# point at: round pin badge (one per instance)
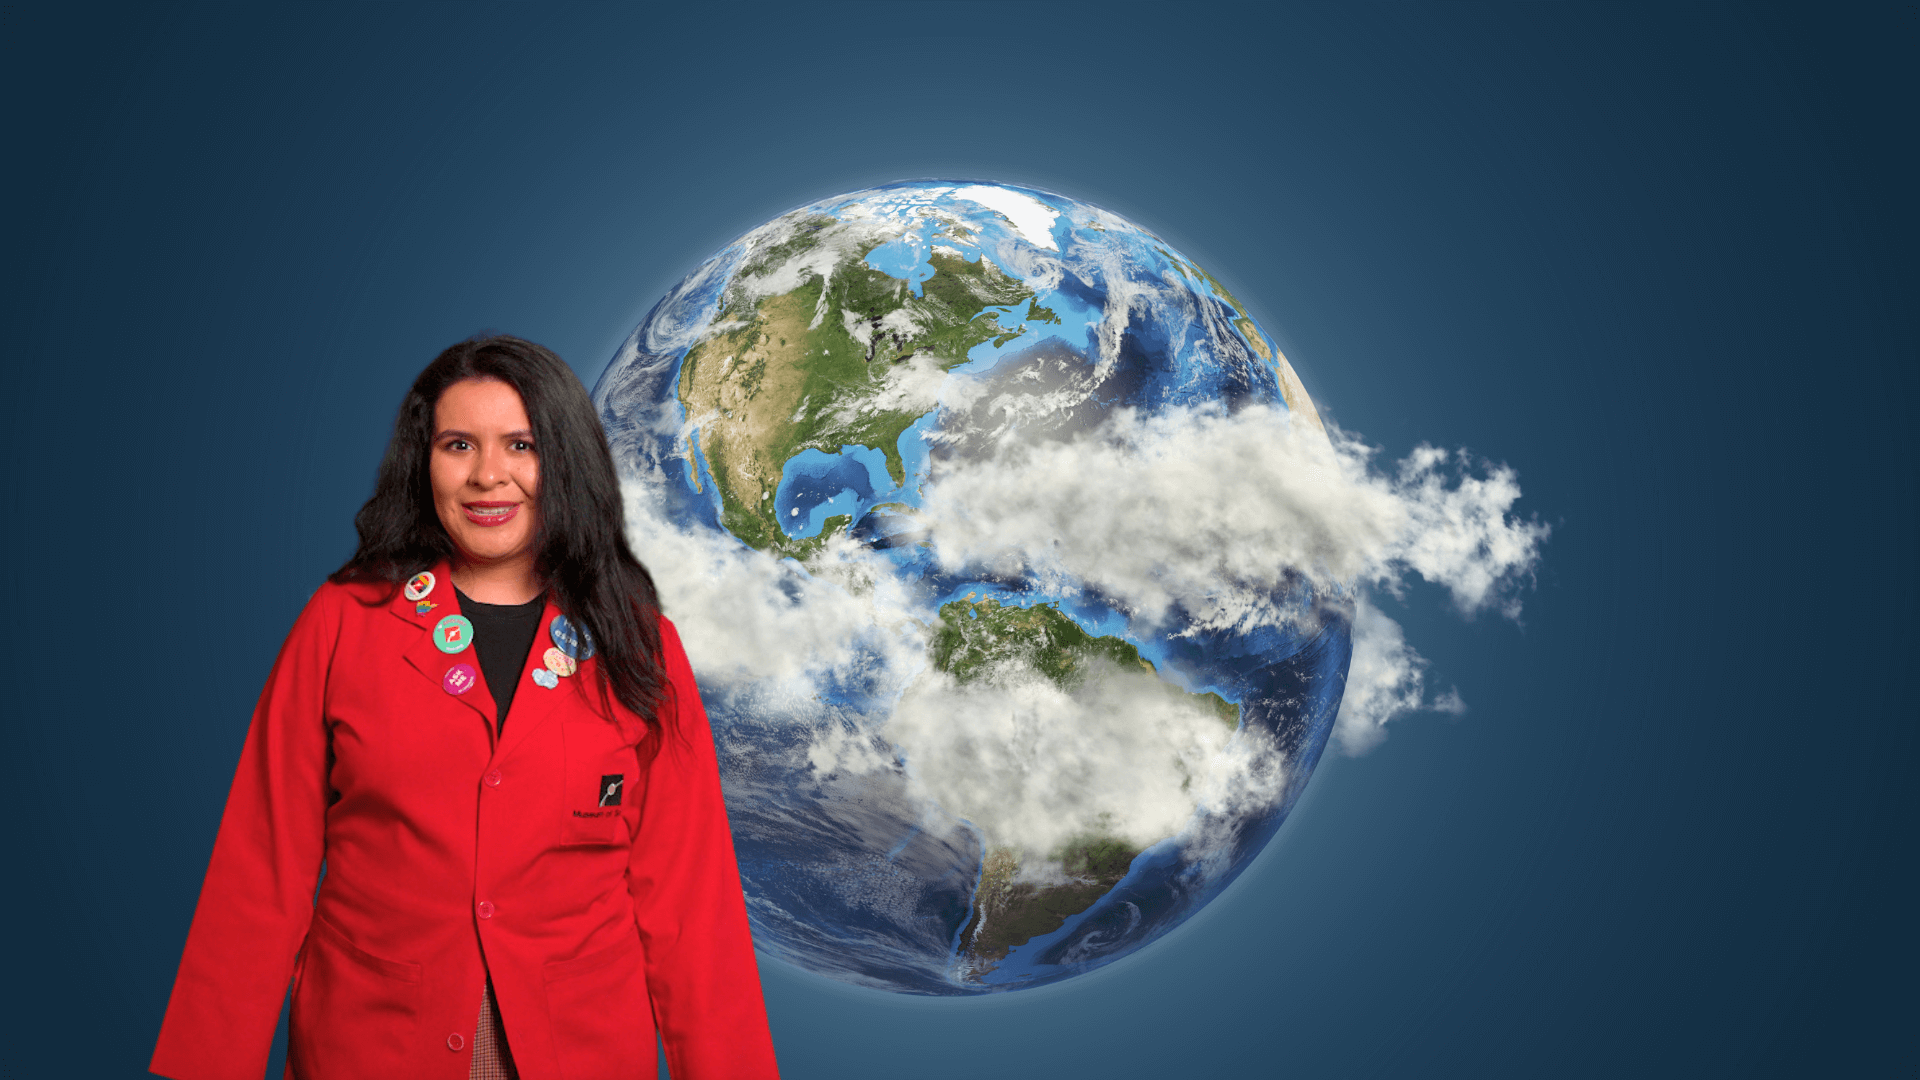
(459, 679)
(560, 663)
(572, 640)
(419, 586)
(453, 634)
(545, 678)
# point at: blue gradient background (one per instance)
(1660, 261)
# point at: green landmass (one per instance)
(799, 370)
(977, 635)
(806, 236)
(1036, 313)
(803, 548)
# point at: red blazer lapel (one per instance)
(449, 671)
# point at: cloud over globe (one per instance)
(1022, 578)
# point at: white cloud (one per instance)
(1386, 680)
(1032, 765)
(1211, 512)
(910, 387)
(750, 620)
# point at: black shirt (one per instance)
(502, 636)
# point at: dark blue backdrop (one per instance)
(1660, 261)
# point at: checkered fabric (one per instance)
(491, 1058)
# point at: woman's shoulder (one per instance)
(673, 652)
(344, 603)
(359, 610)
(358, 592)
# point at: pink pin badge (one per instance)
(460, 679)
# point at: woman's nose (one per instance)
(490, 467)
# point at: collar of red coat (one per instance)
(532, 703)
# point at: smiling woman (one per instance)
(528, 865)
(485, 475)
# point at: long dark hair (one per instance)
(583, 555)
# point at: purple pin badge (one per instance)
(460, 679)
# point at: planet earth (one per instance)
(955, 759)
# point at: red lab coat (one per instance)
(450, 853)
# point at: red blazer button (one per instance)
(493, 778)
(455, 1042)
(486, 909)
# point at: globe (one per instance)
(990, 710)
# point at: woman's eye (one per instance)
(522, 444)
(458, 444)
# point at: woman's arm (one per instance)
(686, 894)
(257, 901)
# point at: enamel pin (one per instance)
(545, 678)
(559, 663)
(420, 585)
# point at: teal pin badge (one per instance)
(453, 634)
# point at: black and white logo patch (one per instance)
(610, 789)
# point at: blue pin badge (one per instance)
(570, 639)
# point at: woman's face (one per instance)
(485, 471)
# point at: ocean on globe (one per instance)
(989, 714)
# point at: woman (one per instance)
(527, 863)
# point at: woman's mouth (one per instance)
(490, 513)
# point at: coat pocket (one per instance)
(601, 1016)
(600, 800)
(354, 1013)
